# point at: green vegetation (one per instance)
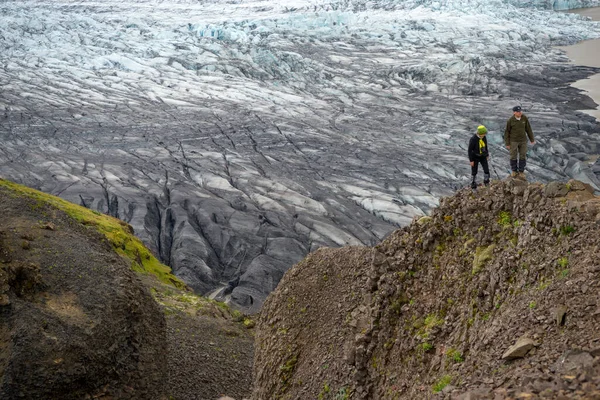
(543, 284)
(504, 218)
(563, 262)
(249, 323)
(482, 256)
(342, 394)
(532, 305)
(425, 327)
(424, 220)
(432, 320)
(287, 369)
(325, 391)
(425, 347)
(566, 230)
(442, 383)
(397, 304)
(119, 233)
(454, 355)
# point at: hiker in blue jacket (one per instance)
(478, 153)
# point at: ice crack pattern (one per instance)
(238, 136)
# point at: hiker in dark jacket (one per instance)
(517, 131)
(478, 153)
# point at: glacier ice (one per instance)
(237, 136)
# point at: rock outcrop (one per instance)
(433, 311)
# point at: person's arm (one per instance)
(507, 134)
(529, 131)
(471, 150)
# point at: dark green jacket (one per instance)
(517, 130)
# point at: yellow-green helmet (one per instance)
(481, 130)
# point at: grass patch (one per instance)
(425, 347)
(119, 233)
(287, 370)
(482, 256)
(454, 355)
(566, 230)
(442, 383)
(563, 262)
(425, 327)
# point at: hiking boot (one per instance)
(486, 179)
(521, 176)
(514, 174)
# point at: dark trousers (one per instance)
(484, 165)
(518, 156)
(486, 171)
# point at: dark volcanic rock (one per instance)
(431, 311)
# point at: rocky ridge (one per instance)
(493, 296)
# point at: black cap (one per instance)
(517, 108)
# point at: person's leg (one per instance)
(474, 175)
(514, 152)
(486, 171)
(522, 156)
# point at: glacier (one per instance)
(236, 137)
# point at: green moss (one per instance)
(482, 256)
(563, 262)
(504, 218)
(442, 383)
(118, 233)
